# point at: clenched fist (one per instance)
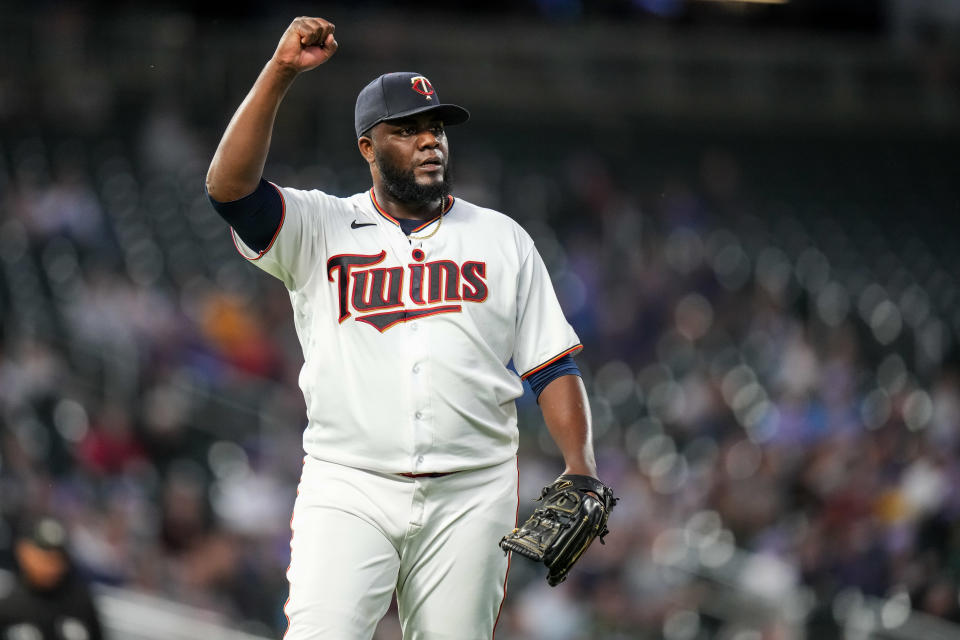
(306, 44)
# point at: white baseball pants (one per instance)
(359, 535)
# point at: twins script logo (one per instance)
(376, 294)
(422, 86)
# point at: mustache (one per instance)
(441, 160)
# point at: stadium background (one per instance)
(749, 212)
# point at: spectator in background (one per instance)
(49, 601)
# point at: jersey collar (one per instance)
(376, 205)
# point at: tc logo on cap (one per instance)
(422, 86)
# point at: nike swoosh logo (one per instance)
(357, 225)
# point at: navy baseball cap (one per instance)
(401, 94)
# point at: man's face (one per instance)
(413, 159)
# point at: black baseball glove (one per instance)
(562, 528)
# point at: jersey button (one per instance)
(418, 415)
(414, 326)
(419, 458)
(416, 368)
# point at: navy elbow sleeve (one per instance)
(562, 367)
(256, 217)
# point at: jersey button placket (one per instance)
(419, 383)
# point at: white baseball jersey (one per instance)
(406, 341)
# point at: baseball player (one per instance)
(409, 305)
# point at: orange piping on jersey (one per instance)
(373, 198)
(283, 216)
(551, 361)
(516, 522)
(285, 604)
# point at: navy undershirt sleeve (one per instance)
(562, 367)
(255, 217)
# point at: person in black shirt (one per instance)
(48, 601)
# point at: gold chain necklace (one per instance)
(432, 233)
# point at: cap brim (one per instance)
(450, 114)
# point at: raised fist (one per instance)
(307, 43)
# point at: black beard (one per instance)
(403, 187)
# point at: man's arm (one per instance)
(566, 411)
(575, 507)
(238, 163)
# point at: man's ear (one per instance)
(365, 144)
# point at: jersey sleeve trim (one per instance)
(569, 352)
(283, 216)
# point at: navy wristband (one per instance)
(562, 367)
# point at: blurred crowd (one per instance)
(775, 387)
(758, 383)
